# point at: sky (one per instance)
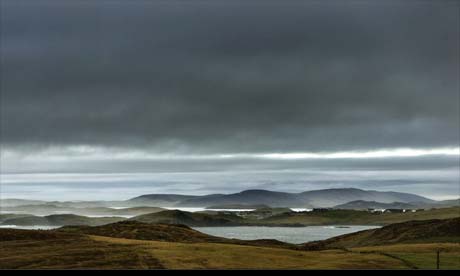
(111, 99)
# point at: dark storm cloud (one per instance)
(230, 76)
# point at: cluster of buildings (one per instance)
(394, 210)
(268, 212)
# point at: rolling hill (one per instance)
(134, 245)
(190, 219)
(425, 231)
(357, 217)
(333, 197)
(259, 217)
(285, 217)
(143, 231)
(249, 197)
(364, 205)
(163, 232)
(215, 218)
(51, 209)
(58, 220)
(32, 249)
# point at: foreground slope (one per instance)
(420, 255)
(163, 232)
(143, 231)
(137, 245)
(447, 230)
(38, 249)
(23, 249)
(230, 256)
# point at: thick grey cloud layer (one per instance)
(197, 78)
(230, 76)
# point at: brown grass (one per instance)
(72, 253)
(421, 255)
(225, 256)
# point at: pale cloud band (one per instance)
(84, 152)
(82, 172)
(387, 153)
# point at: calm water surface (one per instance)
(285, 234)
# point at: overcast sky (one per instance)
(131, 97)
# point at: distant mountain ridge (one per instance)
(309, 199)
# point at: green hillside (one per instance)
(353, 217)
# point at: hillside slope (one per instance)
(98, 252)
(354, 217)
(142, 246)
(364, 205)
(249, 197)
(51, 209)
(447, 230)
(333, 197)
(163, 232)
(36, 249)
(189, 218)
(59, 220)
(143, 231)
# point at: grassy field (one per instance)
(99, 252)
(135, 245)
(350, 217)
(421, 256)
(111, 253)
(73, 253)
(409, 232)
(212, 255)
(84, 252)
(135, 230)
